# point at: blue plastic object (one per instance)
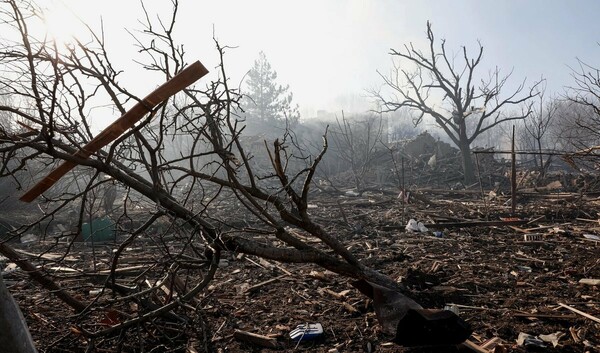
(306, 332)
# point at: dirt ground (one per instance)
(501, 283)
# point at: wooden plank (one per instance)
(180, 81)
(590, 281)
(255, 339)
(264, 283)
(546, 316)
(593, 318)
(475, 224)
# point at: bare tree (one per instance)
(586, 87)
(355, 142)
(432, 83)
(585, 93)
(538, 124)
(572, 131)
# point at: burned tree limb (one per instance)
(42, 279)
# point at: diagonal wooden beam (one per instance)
(180, 81)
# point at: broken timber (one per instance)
(180, 81)
(253, 338)
(465, 224)
(476, 224)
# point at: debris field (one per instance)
(522, 282)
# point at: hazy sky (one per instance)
(329, 51)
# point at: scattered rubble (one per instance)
(483, 268)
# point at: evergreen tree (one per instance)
(265, 100)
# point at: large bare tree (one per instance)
(452, 91)
(585, 94)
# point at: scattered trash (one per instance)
(532, 237)
(552, 338)
(591, 236)
(414, 226)
(524, 268)
(306, 332)
(438, 234)
(352, 193)
(11, 267)
(528, 340)
(94, 292)
(29, 238)
(453, 308)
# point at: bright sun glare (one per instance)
(60, 24)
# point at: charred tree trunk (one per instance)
(467, 163)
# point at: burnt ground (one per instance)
(501, 283)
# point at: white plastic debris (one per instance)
(528, 340)
(591, 236)
(532, 237)
(553, 338)
(11, 267)
(29, 238)
(453, 308)
(414, 226)
(94, 292)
